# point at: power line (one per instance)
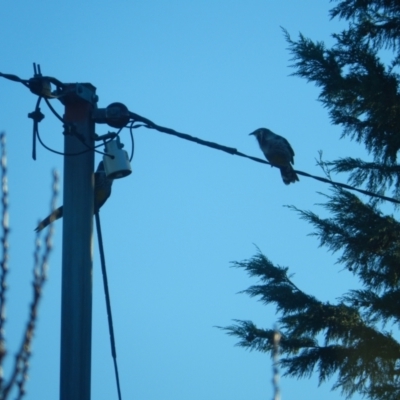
(39, 87)
(230, 150)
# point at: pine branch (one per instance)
(382, 307)
(356, 87)
(378, 177)
(361, 355)
(377, 21)
(368, 239)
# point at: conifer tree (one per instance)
(359, 82)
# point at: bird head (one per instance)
(260, 132)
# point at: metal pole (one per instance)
(76, 300)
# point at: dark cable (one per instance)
(151, 125)
(37, 116)
(345, 186)
(131, 127)
(38, 76)
(59, 152)
(15, 78)
(48, 148)
(108, 302)
(54, 111)
(80, 138)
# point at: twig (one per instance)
(5, 247)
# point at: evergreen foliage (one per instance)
(359, 84)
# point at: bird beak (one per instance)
(252, 133)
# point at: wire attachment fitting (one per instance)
(37, 116)
(40, 85)
(115, 115)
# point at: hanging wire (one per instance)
(89, 148)
(58, 152)
(37, 116)
(131, 127)
(54, 111)
(108, 302)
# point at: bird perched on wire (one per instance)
(102, 191)
(278, 152)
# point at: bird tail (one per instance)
(51, 218)
(288, 175)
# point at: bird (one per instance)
(102, 191)
(278, 151)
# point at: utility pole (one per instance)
(81, 113)
(77, 258)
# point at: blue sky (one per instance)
(213, 69)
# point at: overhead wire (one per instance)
(15, 78)
(151, 125)
(230, 150)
